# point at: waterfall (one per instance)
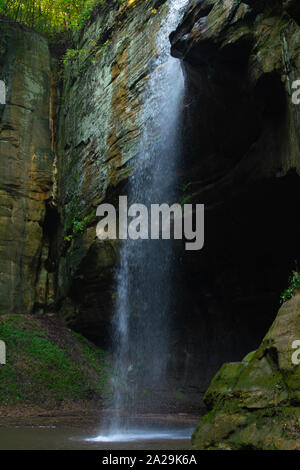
(143, 311)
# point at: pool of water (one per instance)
(166, 436)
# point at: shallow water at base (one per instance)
(153, 436)
(36, 438)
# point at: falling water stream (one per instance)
(143, 312)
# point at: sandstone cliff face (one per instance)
(98, 138)
(240, 63)
(26, 169)
(96, 125)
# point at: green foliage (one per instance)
(97, 359)
(49, 16)
(82, 58)
(71, 55)
(79, 225)
(38, 369)
(70, 58)
(4, 35)
(286, 295)
(186, 186)
(86, 11)
(294, 283)
(127, 171)
(186, 197)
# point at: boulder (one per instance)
(255, 404)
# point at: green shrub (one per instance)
(294, 283)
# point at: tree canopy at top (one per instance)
(48, 16)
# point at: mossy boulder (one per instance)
(255, 403)
(272, 428)
(223, 383)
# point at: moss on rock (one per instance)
(254, 404)
(47, 362)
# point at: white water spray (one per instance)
(143, 312)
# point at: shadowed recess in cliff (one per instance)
(143, 312)
(241, 157)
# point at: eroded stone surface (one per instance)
(98, 141)
(26, 168)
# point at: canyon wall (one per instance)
(69, 141)
(26, 169)
(98, 135)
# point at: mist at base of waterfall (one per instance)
(145, 429)
(144, 435)
(148, 429)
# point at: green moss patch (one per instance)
(47, 362)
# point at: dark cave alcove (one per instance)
(51, 229)
(237, 161)
(229, 293)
